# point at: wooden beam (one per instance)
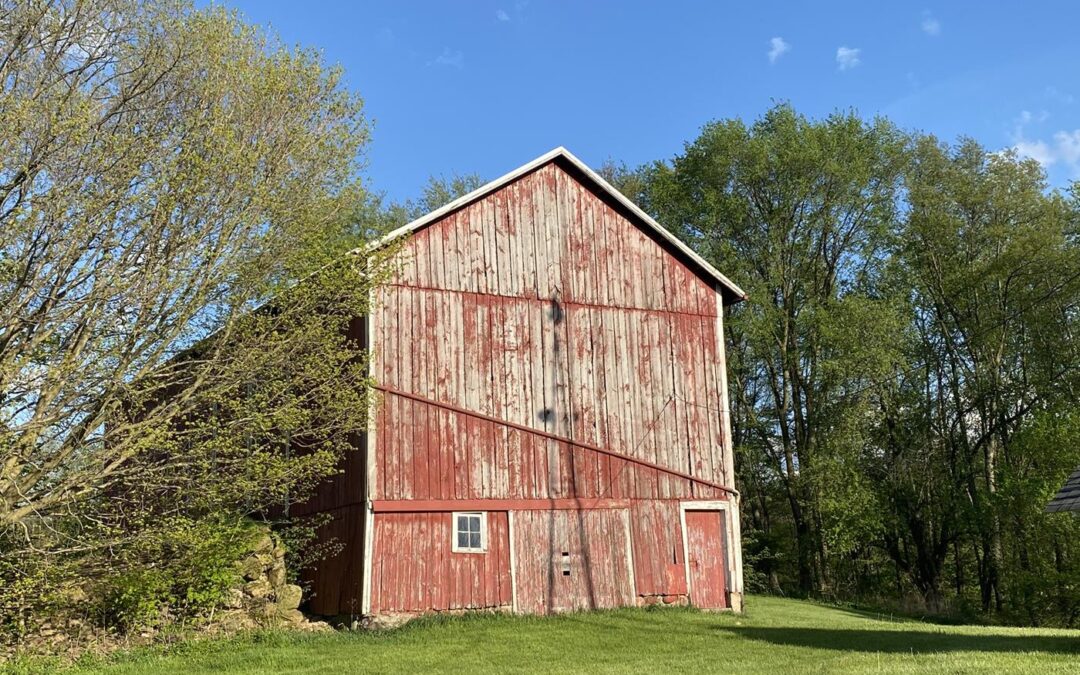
(562, 439)
(436, 505)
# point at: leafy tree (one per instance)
(905, 373)
(991, 260)
(374, 217)
(165, 170)
(800, 213)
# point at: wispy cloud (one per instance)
(450, 58)
(1067, 147)
(1027, 117)
(515, 14)
(848, 57)
(1058, 95)
(930, 25)
(1036, 150)
(777, 48)
(1063, 146)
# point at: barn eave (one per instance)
(731, 293)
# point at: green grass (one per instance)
(774, 635)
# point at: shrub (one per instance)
(179, 570)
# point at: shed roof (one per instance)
(1068, 497)
(731, 292)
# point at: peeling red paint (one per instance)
(546, 360)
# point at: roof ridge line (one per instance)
(736, 293)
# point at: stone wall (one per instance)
(266, 598)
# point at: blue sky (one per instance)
(484, 86)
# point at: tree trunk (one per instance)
(992, 592)
(803, 544)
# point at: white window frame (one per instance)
(454, 532)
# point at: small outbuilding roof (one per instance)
(730, 291)
(1068, 497)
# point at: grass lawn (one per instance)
(774, 636)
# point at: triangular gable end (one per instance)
(731, 292)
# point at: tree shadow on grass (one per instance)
(904, 641)
(901, 617)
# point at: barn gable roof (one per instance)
(1068, 497)
(731, 292)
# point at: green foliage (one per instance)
(903, 372)
(33, 588)
(760, 558)
(303, 549)
(177, 569)
(374, 217)
(178, 338)
(799, 212)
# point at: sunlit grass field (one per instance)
(773, 636)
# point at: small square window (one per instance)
(470, 532)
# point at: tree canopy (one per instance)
(905, 370)
(164, 172)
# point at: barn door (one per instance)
(707, 558)
(569, 560)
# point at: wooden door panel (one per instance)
(571, 560)
(707, 559)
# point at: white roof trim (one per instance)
(592, 176)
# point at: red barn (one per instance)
(552, 430)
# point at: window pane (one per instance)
(463, 523)
(463, 540)
(474, 524)
(475, 540)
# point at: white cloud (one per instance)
(930, 25)
(1063, 147)
(1067, 147)
(777, 48)
(501, 15)
(847, 57)
(1026, 117)
(1036, 150)
(449, 58)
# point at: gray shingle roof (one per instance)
(1068, 497)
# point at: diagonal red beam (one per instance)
(562, 439)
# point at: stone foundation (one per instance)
(265, 598)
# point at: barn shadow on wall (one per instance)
(549, 417)
(903, 641)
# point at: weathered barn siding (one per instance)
(519, 328)
(546, 357)
(336, 587)
(572, 559)
(429, 576)
(543, 306)
(706, 557)
(659, 564)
